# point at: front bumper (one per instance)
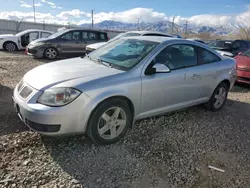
(35, 52)
(243, 76)
(68, 119)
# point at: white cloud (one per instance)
(38, 4)
(229, 6)
(76, 13)
(26, 5)
(77, 16)
(51, 4)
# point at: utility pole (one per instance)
(34, 10)
(138, 22)
(186, 27)
(173, 25)
(92, 15)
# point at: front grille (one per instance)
(26, 91)
(42, 127)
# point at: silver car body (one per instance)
(149, 95)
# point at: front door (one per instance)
(71, 42)
(168, 91)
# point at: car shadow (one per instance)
(9, 121)
(86, 162)
(241, 88)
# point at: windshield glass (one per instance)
(124, 53)
(58, 33)
(246, 53)
(220, 44)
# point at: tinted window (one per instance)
(45, 35)
(33, 36)
(155, 34)
(102, 36)
(177, 56)
(92, 36)
(220, 44)
(208, 57)
(74, 35)
(236, 44)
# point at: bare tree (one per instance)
(244, 29)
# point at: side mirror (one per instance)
(161, 68)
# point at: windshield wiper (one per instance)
(107, 64)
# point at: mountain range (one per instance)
(164, 26)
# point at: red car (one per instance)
(243, 67)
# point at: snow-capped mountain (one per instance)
(165, 26)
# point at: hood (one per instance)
(223, 53)
(39, 40)
(96, 45)
(243, 61)
(6, 35)
(51, 74)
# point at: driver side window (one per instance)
(177, 56)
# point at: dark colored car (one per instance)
(67, 42)
(233, 47)
(243, 67)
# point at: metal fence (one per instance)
(13, 27)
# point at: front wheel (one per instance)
(10, 46)
(218, 98)
(50, 53)
(109, 122)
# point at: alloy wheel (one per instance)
(51, 53)
(112, 123)
(220, 97)
(10, 47)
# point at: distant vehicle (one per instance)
(243, 67)
(103, 93)
(65, 42)
(95, 46)
(20, 40)
(233, 47)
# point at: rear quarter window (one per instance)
(206, 56)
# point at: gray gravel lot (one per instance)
(167, 151)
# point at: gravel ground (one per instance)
(167, 151)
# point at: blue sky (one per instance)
(77, 11)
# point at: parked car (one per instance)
(198, 40)
(233, 47)
(92, 47)
(103, 93)
(20, 40)
(65, 42)
(243, 67)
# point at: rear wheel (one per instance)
(109, 122)
(10, 46)
(218, 98)
(50, 53)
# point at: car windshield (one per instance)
(58, 33)
(124, 53)
(220, 44)
(246, 53)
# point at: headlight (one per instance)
(58, 96)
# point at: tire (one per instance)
(10, 46)
(50, 53)
(213, 104)
(102, 123)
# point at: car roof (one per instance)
(82, 29)
(40, 30)
(148, 32)
(159, 39)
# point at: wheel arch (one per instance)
(11, 42)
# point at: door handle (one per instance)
(195, 77)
